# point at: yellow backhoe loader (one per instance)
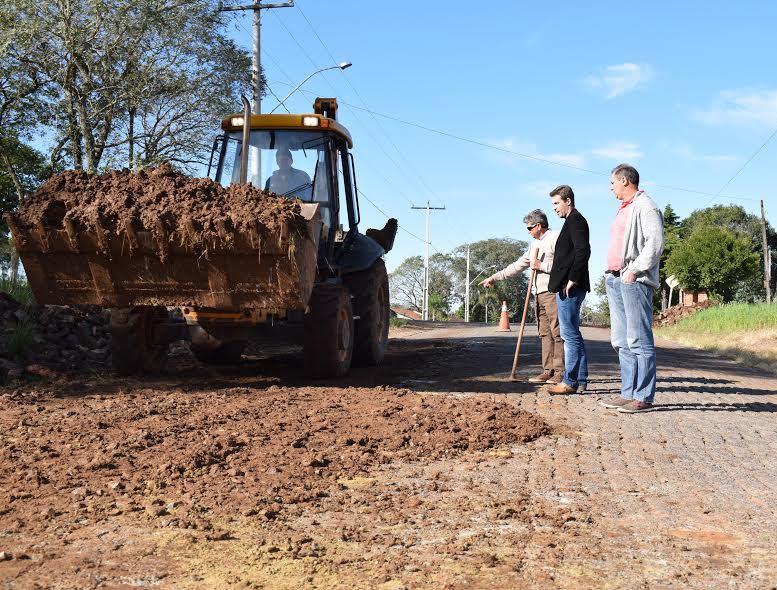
(326, 287)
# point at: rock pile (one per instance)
(48, 340)
(678, 312)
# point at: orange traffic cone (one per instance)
(504, 321)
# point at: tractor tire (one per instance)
(370, 291)
(212, 351)
(132, 348)
(329, 332)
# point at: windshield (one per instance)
(289, 163)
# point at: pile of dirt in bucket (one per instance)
(679, 312)
(157, 199)
(44, 341)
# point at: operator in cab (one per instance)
(288, 181)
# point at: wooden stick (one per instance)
(523, 325)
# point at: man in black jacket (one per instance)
(569, 281)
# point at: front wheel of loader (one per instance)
(329, 332)
(132, 340)
(370, 292)
(212, 351)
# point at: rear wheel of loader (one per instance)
(371, 304)
(132, 345)
(329, 332)
(212, 351)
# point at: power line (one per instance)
(369, 133)
(738, 172)
(280, 69)
(371, 202)
(278, 66)
(364, 103)
(266, 85)
(537, 158)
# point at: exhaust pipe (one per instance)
(246, 139)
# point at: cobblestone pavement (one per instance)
(683, 496)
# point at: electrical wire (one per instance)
(537, 158)
(738, 172)
(313, 63)
(366, 107)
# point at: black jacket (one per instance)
(570, 258)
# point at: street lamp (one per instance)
(481, 272)
(341, 66)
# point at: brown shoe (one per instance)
(555, 379)
(634, 407)
(541, 378)
(561, 389)
(615, 403)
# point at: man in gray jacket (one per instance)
(633, 256)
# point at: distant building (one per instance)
(693, 297)
(404, 313)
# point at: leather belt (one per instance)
(615, 273)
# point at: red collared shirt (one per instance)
(617, 231)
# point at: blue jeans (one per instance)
(631, 334)
(575, 358)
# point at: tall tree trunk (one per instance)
(131, 138)
(20, 196)
(72, 118)
(86, 136)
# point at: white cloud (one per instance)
(751, 106)
(617, 80)
(622, 151)
(688, 153)
(530, 149)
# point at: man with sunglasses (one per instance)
(539, 257)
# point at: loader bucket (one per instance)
(252, 269)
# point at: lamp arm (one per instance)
(298, 86)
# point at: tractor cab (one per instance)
(302, 156)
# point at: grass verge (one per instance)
(746, 333)
(20, 291)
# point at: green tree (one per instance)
(743, 225)
(438, 308)
(672, 236)
(713, 259)
(671, 218)
(22, 169)
(600, 313)
(487, 257)
(109, 64)
(407, 283)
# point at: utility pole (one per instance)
(256, 65)
(428, 207)
(256, 73)
(767, 257)
(466, 291)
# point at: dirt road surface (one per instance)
(433, 471)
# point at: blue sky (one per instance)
(685, 91)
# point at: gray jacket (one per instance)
(643, 241)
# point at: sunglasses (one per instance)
(531, 227)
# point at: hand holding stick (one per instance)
(523, 325)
